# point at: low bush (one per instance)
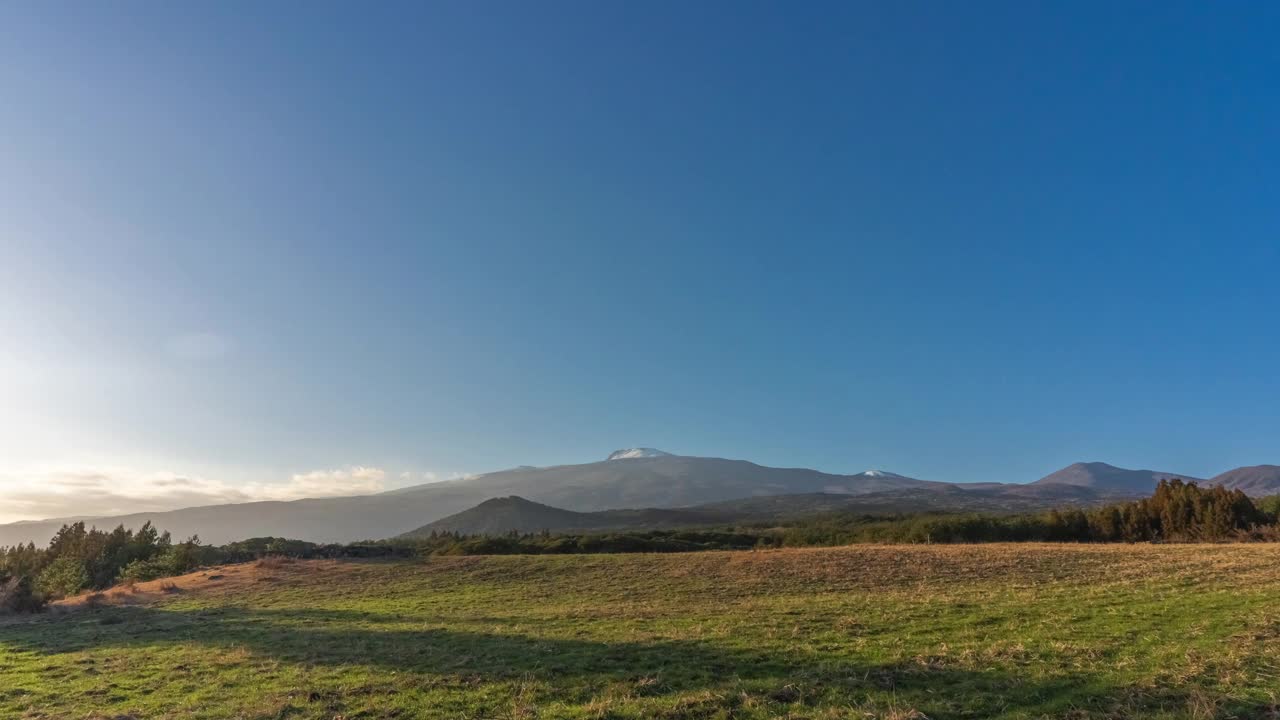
(63, 577)
(18, 596)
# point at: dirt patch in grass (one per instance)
(221, 581)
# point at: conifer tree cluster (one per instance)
(79, 558)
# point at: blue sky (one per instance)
(246, 246)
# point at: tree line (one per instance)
(80, 558)
(1177, 511)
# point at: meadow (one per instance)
(955, 631)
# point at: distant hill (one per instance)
(1256, 480)
(1102, 476)
(499, 516)
(504, 514)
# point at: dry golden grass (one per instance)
(220, 582)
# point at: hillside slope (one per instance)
(499, 516)
(1102, 476)
(1254, 480)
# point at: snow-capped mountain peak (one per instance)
(631, 453)
(879, 474)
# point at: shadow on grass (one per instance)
(575, 670)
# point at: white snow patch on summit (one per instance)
(631, 453)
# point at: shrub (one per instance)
(143, 570)
(64, 576)
(176, 560)
(18, 596)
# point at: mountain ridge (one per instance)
(1105, 475)
(1252, 479)
(501, 515)
(657, 481)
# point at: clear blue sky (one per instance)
(961, 241)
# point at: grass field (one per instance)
(994, 631)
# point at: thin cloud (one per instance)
(413, 477)
(96, 492)
(358, 480)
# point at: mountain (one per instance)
(1102, 476)
(632, 453)
(1256, 480)
(499, 516)
(666, 481)
(881, 474)
(659, 481)
(631, 478)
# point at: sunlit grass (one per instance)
(1011, 631)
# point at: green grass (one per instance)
(1011, 631)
